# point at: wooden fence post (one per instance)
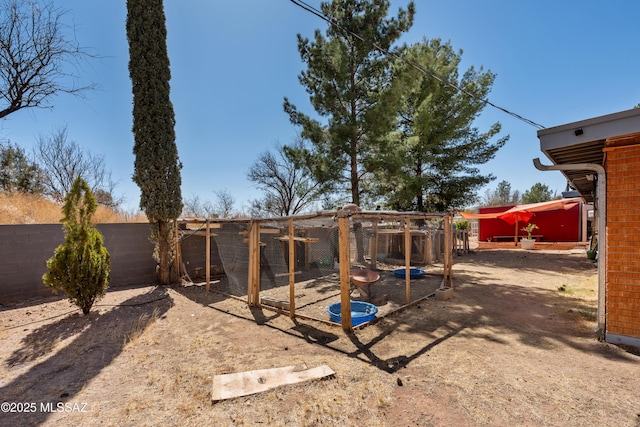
(292, 270)
(407, 259)
(207, 262)
(345, 274)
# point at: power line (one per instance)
(334, 23)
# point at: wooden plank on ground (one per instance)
(299, 239)
(272, 302)
(239, 384)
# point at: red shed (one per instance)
(558, 225)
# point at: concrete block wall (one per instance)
(623, 248)
(25, 249)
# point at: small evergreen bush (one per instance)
(81, 265)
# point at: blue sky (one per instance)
(233, 62)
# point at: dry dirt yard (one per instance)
(515, 346)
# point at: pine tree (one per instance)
(538, 192)
(436, 147)
(501, 196)
(17, 172)
(346, 75)
(80, 266)
(157, 167)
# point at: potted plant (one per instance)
(528, 242)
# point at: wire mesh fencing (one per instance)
(292, 264)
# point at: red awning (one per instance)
(525, 212)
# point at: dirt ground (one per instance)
(514, 346)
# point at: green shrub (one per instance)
(80, 266)
(462, 225)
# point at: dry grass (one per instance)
(138, 328)
(21, 208)
(509, 348)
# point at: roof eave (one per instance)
(582, 142)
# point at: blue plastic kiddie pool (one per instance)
(361, 312)
(414, 273)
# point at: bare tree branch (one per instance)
(37, 55)
(194, 207)
(224, 203)
(62, 161)
(289, 188)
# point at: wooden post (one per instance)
(374, 244)
(253, 291)
(207, 257)
(448, 251)
(434, 244)
(345, 275)
(292, 270)
(250, 272)
(465, 242)
(407, 259)
(428, 247)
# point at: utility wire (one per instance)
(137, 304)
(334, 22)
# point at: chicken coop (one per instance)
(306, 265)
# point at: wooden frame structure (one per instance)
(344, 218)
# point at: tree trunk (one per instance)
(419, 194)
(355, 179)
(164, 251)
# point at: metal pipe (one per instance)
(601, 210)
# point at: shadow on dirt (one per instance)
(50, 297)
(395, 363)
(88, 345)
(484, 307)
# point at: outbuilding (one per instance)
(601, 158)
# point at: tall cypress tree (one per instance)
(157, 167)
